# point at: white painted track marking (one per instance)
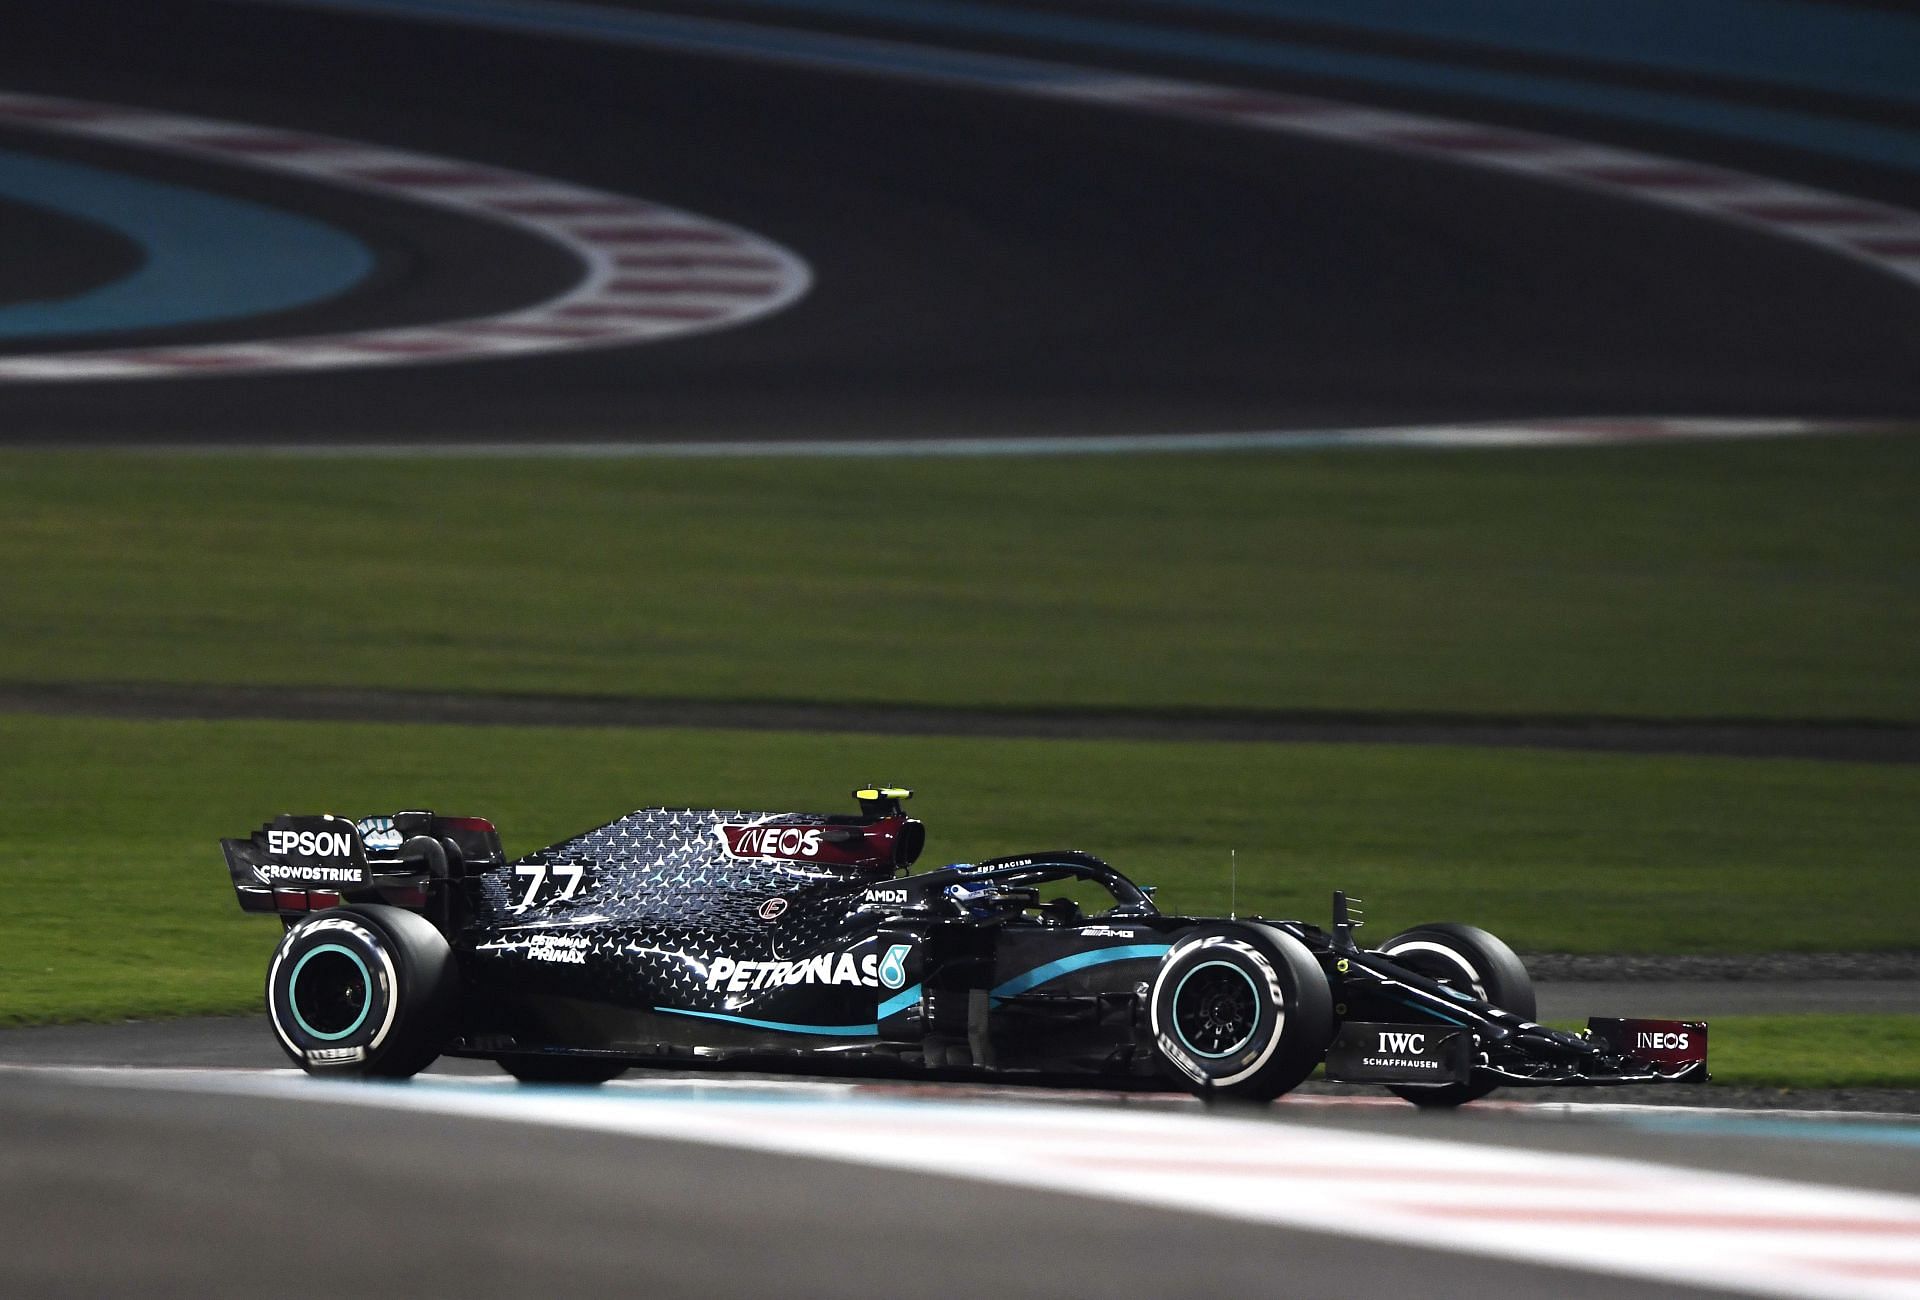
(647, 272)
(909, 1090)
(1878, 235)
(1672, 1224)
(605, 311)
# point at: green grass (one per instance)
(114, 902)
(1763, 579)
(1831, 1051)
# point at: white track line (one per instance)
(1671, 1224)
(1878, 235)
(647, 272)
(1028, 1096)
(607, 311)
(907, 1090)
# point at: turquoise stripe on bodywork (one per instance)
(892, 1006)
(900, 1001)
(1053, 970)
(784, 1026)
(1426, 1010)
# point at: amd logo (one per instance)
(896, 897)
(1402, 1042)
(1660, 1040)
(311, 844)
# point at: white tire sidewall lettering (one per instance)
(366, 940)
(1217, 945)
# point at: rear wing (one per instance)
(297, 863)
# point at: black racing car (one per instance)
(796, 941)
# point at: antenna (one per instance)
(1346, 919)
(1233, 884)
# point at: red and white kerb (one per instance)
(1881, 236)
(648, 272)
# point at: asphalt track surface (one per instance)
(109, 1191)
(984, 264)
(116, 1182)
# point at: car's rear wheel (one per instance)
(365, 990)
(1479, 964)
(561, 1069)
(1240, 1011)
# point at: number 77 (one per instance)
(538, 870)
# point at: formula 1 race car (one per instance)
(683, 938)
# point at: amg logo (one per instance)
(771, 841)
(1401, 1042)
(311, 844)
(1663, 1040)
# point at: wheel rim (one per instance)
(1216, 1009)
(329, 992)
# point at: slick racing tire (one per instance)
(1240, 1011)
(1466, 958)
(364, 990)
(561, 1069)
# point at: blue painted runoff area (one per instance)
(1837, 137)
(1853, 1132)
(611, 26)
(205, 257)
(1870, 53)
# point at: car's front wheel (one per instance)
(364, 990)
(1466, 958)
(1240, 1010)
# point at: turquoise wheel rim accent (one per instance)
(293, 992)
(1253, 1024)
